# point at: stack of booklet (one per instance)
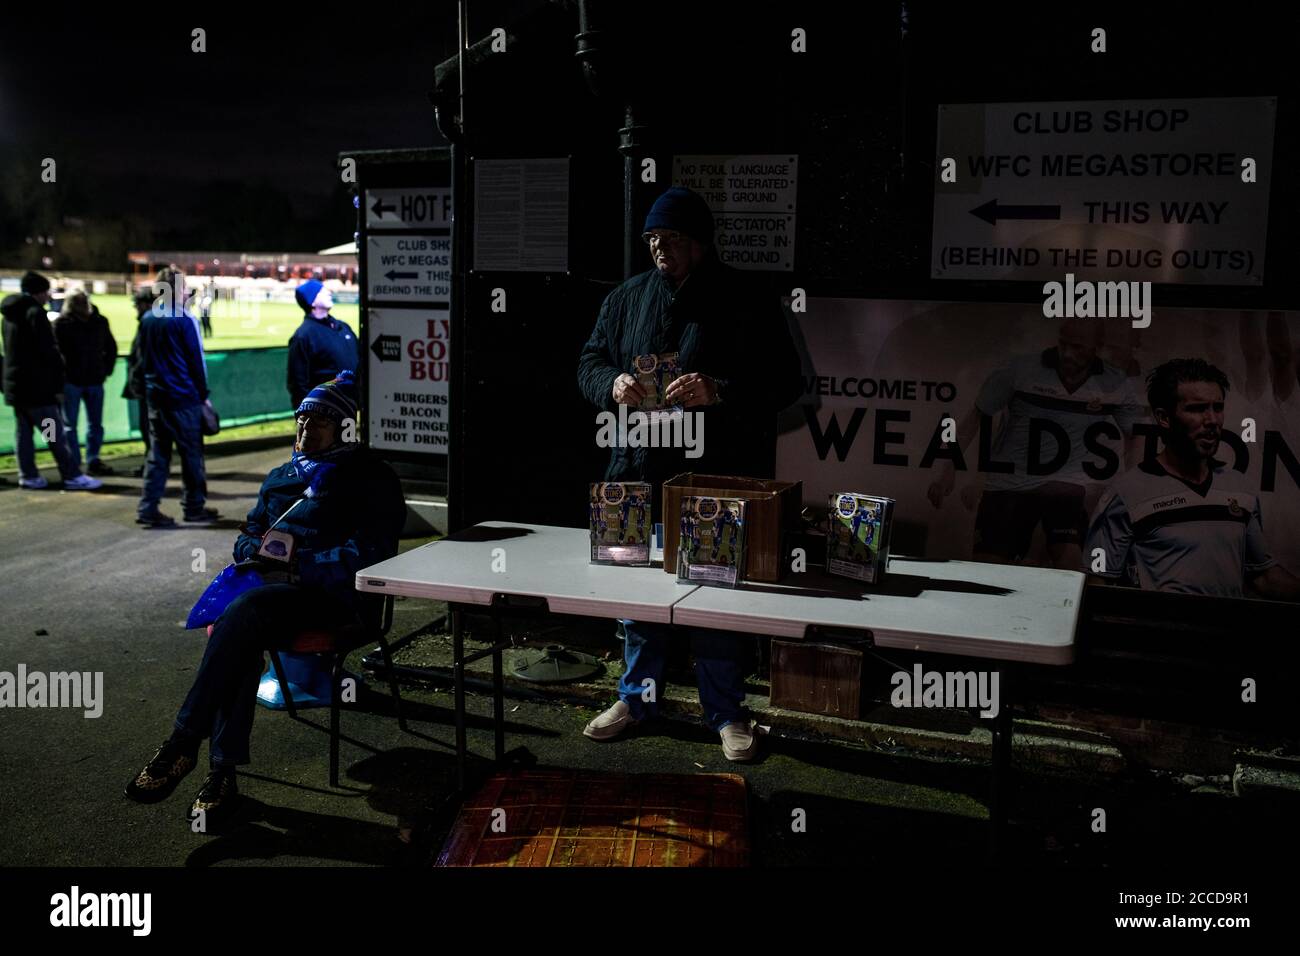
(619, 519)
(711, 548)
(857, 538)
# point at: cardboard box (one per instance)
(771, 514)
(817, 678)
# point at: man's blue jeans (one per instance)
(93, 396)
(63, 447)
(220, 705)
(720, 658)
(184, 427)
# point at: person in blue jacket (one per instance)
(176, 389)
(347, 514)
(322, 346)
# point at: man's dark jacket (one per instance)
(318, 351)
(722, 325)
(172, 361)
(33, 369)
(353, 521)
(88, 347)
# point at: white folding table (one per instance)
(960, 608)
(504, 569)
(964, 608)
(474, 566)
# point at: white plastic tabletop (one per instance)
(966, 608)
(539, 561)
(1004, 612)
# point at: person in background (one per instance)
(1068, 386)
(176, 389)
(347, 514)
(1186, 521)
(33, 386)
(89, 353)
(322, 346)
(206, 298)
(134, 387)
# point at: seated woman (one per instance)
(335, 508)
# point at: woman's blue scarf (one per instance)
(313, 470)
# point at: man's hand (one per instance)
(627, 390)
(942, 486)
(691, 389)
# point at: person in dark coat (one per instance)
(134, 386)
(321, 346)
(33, 386)
(89, 353)
(740, 368)
(347, 514)
(176, 387)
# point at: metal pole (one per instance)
(498, 692)
(1000, 797)
(458, 667)
(462, 32)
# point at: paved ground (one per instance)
(84, 588)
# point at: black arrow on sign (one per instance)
(991, 212)
(390, 275)
(387, 348)
(379, 207)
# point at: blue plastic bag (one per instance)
(233, 581)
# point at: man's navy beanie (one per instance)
(33, 282)
(306, 293)
(683, 210)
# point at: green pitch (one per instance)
(243, 325)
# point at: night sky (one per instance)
(232, 148)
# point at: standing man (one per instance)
(1186, 521)
(206, 298)
(176, 389)
(322, 346)
(134, 386)
(33, 386)
(1062, 391)
(739, 368)
(89, 354)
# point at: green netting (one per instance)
(248, 385)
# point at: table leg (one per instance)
(1000, 795)
(498, 693)
(458, 673)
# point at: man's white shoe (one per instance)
(36, 483)
(82, 483)
(611, 723)
(739, 742)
